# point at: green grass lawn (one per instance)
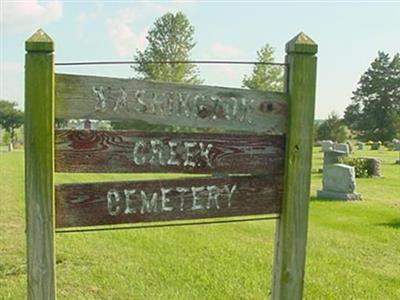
(353, 248)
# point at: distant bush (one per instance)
(363, 166)
(332, 129)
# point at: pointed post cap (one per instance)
(301, 43)
(39, 42)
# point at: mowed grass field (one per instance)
(353, 248)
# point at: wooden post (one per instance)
(291, 232)
(39, 166)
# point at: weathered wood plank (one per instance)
(219, 108)
(166, 200)
(291, 237)
(132, 151)
(39, 166)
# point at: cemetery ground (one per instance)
(353, 248)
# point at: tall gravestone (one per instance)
(333, 156)
(337, 151)
(339, 182)
(326, 145)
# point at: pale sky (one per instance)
(349, 35)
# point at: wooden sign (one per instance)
(227, 109)
(256, 173)
(162, 200)
(133, 151)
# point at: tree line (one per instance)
(172, 39)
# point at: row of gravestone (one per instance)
(339, 180)
(331, 146)
(328, 145)
(334, 153)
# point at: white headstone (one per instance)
(342, 148)
(339, 182)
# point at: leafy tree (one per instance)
(6, 138)
(341, 134)
(10, 118)
(171, 39)
(375, 108)
(317, 123)
(333, 128)
(265, 77)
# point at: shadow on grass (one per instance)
(392, 224)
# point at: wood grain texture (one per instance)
(39, 189)
(291, 233)
(132, 151)
(219, 108)
(166, 200)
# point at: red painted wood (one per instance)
(125, 202)
(131, 151)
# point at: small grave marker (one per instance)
(344, 148)
(361, 146)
